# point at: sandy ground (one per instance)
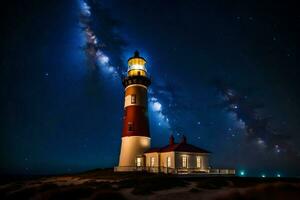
(184, 193)
(59, 181)
(190, 191)
(174, 193)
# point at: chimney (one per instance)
(171, 140)
(183, 140)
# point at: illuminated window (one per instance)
(198, 162)
(152, 161)
(130, 126)
(138, 162)
(133, 98)
(184, 161)
(168, 161)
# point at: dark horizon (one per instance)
(224, 74)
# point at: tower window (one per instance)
(133, 98)
(130, 126)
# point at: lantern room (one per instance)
(136, 65)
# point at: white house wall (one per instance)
(160, 161)
(154, 155)
(192, 160)
(163, 159)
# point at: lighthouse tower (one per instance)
(135, 134)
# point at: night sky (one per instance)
(224, 73)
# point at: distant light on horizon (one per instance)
(242, 173)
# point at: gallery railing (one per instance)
(205, 171)
(221, 171)
(177, 170)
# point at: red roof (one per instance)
(180, 147)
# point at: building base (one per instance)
(128, 169)
(179, 171)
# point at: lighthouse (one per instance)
(135, 152)
(135, 134)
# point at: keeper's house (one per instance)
(176, 158)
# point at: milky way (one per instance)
(97, 57)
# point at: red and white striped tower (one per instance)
(135, 134)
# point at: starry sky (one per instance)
(224, 74)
